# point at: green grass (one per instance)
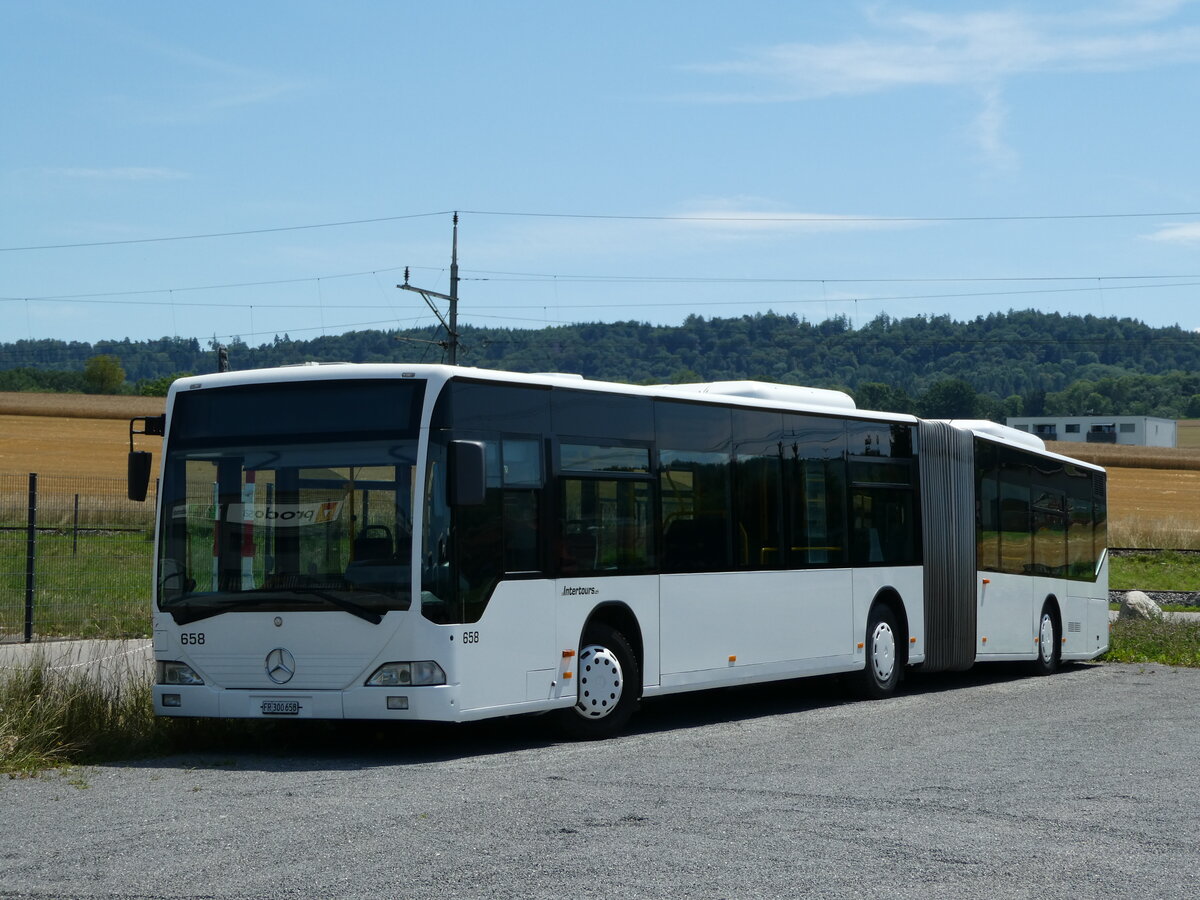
(1165, 607)
(94, 583)
(57, 717)
(53, 717)
(1169, 642)
(1165, 571)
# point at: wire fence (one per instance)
(74, 559)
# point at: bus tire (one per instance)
(606, 678)
(1049, 642)
(881, 674)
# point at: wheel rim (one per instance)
(883, 652)
(1046, 638)
(601, 682)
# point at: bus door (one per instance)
(1006, 597)
(484, 578)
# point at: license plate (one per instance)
(281, 707)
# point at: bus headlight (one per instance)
(395, 674)
(177, 673)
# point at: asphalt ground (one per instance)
(982, 784)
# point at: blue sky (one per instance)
(614, 161)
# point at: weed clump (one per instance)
(52, 716)
(1171, 642)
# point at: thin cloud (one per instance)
(120, 173)
(935, 49)
(227, 85)
(988, 129)
(980, 51)
(1182, 233)
(1134, 11)
(753, 215)
(194, 86)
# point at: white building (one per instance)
(1143, 431)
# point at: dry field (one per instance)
(1153, 493)
(1154, 508)
(79, 406)
(71, 434)
(1187, 433)
(1124, 456)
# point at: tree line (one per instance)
(1004, 364)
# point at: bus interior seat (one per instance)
(375, 542)
(578, 552)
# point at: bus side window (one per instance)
(1016, 540)
(694, 473)
(758, 489)
(883, 509)
(987, 511)
(606, 513)
(814, 452)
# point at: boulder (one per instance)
(1137, 605)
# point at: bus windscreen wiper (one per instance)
(354, 609)
(184, 613)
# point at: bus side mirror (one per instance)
(139, 474)
(468, 474)
(140, 460)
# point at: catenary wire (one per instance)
(1052, 217)
(221, 234)
(110, 298)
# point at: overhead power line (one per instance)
(548, 277)
(732, 218)
(541, 277)
(1160, 282)
(831, 218)
(220, 234)
(311, 279)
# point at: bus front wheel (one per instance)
(606, 679)
(882, 671)
(1049, 643)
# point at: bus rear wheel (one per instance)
(1049, 643)
(881, 674)
(606, 678)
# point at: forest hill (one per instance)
(1004, 364)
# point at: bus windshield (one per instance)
(256, 519)
(290, 528)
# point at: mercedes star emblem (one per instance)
(281, 666)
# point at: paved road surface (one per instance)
(990, 785)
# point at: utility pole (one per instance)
(450, 345)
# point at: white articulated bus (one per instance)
(423, 542)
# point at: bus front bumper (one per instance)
(424, 703)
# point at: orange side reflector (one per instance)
(985, 640)
(568, 674)
(1037, 640)
(987, 581)
(912, 640)
(861, 645)
(567, 654)
(733, 659)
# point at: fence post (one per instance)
(30, 556)
(75, 530)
